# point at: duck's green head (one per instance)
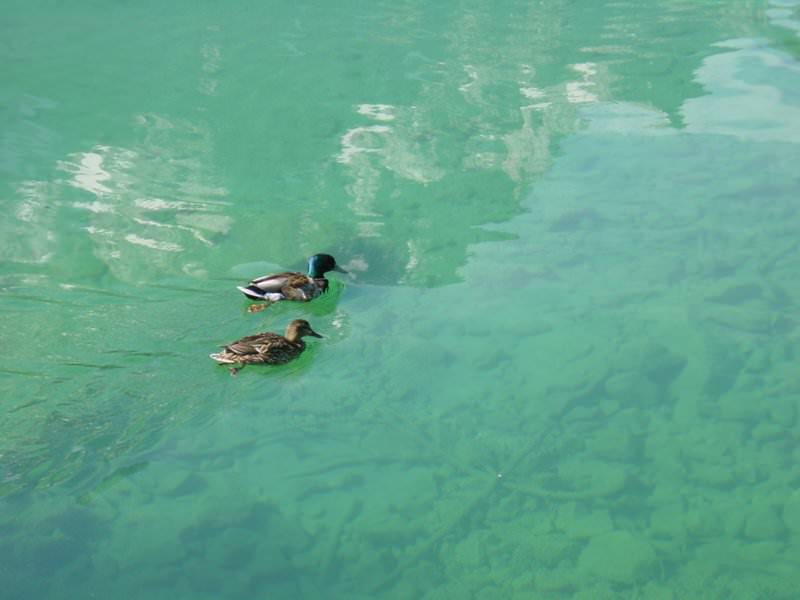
(319, 264)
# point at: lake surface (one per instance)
(564, 364)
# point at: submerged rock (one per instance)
(782, 410)
(654, 591)
(550, 549)
(704, 523)
(577, 523)
(600, 591)
(757, 318)
(553, 580)
(736, 293)
(631, 389)
(471, 552)
(668, 521)
(593, 478)
(618, 556)
(649, 358)
(791, 513)
(715, 474)
(611, 443)
(763, 524)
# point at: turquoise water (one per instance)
(564, 364)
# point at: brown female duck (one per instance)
(266, 348)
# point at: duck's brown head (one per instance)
(299, 328)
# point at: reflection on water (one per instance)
(459, 131)
(136, 199)
(741, 103)
(784, 14)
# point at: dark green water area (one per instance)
(565, 362)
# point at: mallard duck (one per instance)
(289, 285)
(266, 348)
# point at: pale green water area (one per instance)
(564, 364)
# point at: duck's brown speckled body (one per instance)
(266, 348)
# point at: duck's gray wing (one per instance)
(274, 282)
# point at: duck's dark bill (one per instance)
(339, 269)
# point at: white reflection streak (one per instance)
(159, 204)
(32, 193)
(95, 207)
(783, 14)
(154, 244)
(413, 256)
(212, 55)
(196, 234)
(369, 228)
(350, 147)
(577, 92)
(379, 112)
(31, 248)
(531, 92)
(89, 174)
(472, 73)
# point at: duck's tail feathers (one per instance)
(221, 358)
(252, 292)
